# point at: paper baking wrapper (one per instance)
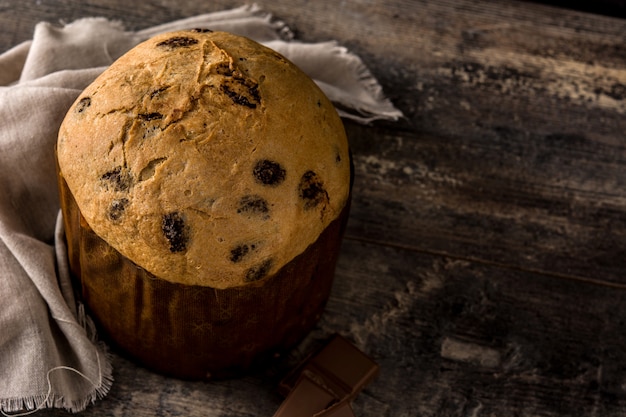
(190, 331)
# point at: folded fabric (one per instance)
(49, 355)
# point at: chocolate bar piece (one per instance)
(335, 374)
(306, 399)
(341, 409)
(344, 369)
(340, 366)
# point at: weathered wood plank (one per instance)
(515, 141)
(457, 338)
(453, 338)
(552, 203)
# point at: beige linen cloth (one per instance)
(49, 355)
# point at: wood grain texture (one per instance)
(483, 266)
(453, 338)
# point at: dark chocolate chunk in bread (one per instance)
(175, 231)
(82, 104)
(241, 92)
(238, 253)
(241, 251)
(269, 172)
(177, 42)
(117, 208)
(311, 190)
(259, 271)
(254, 205)
(150, 116)
(118, 178)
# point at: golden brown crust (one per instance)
(205, 158)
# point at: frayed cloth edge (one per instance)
(25, 406)
(14, 407)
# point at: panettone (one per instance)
(205, 185)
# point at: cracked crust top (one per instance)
(205, 158)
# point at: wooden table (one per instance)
(484, 266)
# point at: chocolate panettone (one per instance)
(205, 185)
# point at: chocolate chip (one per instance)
(177, 42)
(269, 172)
(201, 30)
(117, 208)
(259, 271)
(224, 68)
(242, 94)
(82, 104)
(239, 252)
(175, 231)
(146, 117)
(118, 178)
(311, 190)
(236, 85)
(254, 205)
